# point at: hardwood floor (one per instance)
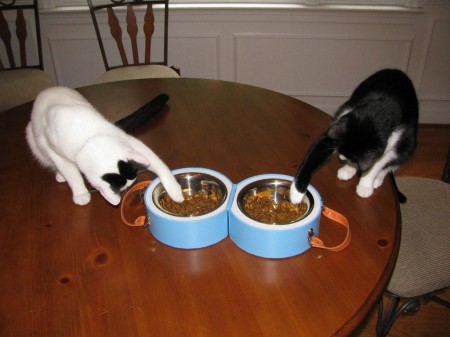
(433, 319)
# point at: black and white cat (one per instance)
(68, 135)
(374, 132)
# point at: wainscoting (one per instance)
(315, 54)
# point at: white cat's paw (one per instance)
(295, 195)
(82, 199)
(175, 192)
(60, 178)
(346, 172)
(364, 191)
(378, 182)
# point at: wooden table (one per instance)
(68, 270)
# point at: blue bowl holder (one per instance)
(268, 241)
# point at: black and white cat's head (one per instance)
(357, 139)
(119, 181)
(112, 169)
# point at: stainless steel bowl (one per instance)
(277, 190)
(191, 183)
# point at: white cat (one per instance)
(67, 134)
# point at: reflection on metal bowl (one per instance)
(203, 194)
(188, 231)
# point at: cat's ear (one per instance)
(338, 128)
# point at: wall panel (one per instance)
(288, 63)
(313, 55)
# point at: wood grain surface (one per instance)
(68, 270)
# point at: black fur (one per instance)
(321, 150)
(383, 103)
(400, 196)
(129, 169)
(115, 180)
(143, 114)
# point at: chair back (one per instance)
(22, 18)
(121, 15)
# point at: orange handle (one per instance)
(314, 241)
(140, 221)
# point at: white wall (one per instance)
(317, 55)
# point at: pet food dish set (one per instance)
(270, 240)
(229, 216)
(190, 231)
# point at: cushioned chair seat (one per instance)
(423, 264)
(137, 72)
(21, 85)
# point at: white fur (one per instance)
(347, 172)
(295, 195)
(374, 177)
(67, 134)
(344, 112)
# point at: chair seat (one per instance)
(137, 72)
(423, 263)
(21, 85)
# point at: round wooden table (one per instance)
(69, 270)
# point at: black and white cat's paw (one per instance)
(346, 172)
(378, 182)
(295, 195)
(379, 179)
(82, 198)
(364, 191)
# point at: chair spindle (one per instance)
(149, 28)
(132, 30)
(5, 35)
(116, 33)
(21, 32)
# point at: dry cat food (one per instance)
(196, 204)
(264, 209)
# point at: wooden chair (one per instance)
(423, 264)
(21, 68)
(121, 13)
